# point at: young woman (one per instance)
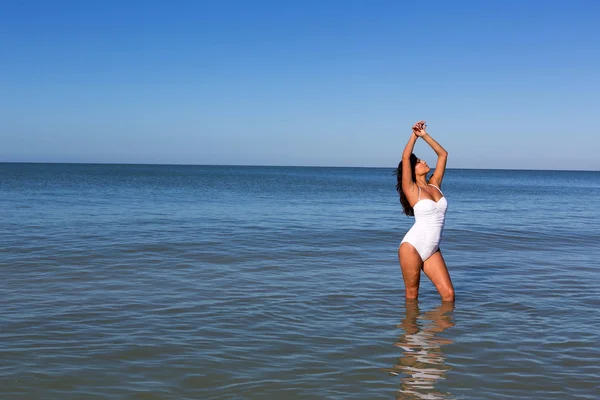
(422, 198)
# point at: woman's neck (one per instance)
(421, 181)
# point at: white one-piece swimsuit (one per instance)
(426, 233)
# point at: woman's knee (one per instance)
(447, 294)
(412, 294)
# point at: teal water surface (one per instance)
(215, 282)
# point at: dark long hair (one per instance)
(408, 210)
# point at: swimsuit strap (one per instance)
(436, 188)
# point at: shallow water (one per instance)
(192, 282)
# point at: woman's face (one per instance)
(421, 168)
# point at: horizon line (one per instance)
(282, 166)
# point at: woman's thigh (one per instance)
(436, 270)
(410, 263)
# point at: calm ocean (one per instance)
(214, 282)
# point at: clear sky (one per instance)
(502, 84)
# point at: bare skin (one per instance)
(410, 260)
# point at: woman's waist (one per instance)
(429, 220)
(429, 229)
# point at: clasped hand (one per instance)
(419, 128)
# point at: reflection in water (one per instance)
(422, 361)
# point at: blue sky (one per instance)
(502, 84)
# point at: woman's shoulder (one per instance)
(434, 182)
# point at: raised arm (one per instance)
(440, 166)
(408, 186)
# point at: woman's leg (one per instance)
(410, 263)
(436, 270)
